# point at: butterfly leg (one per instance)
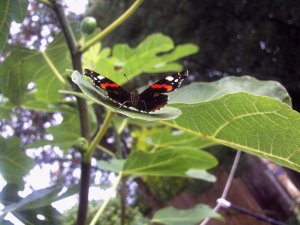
(116, 110)
(145, 106)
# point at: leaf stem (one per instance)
(112, 26)
(46, 3)
(105, 150)
(122, 126)
(53, 68)
(101, 132)
(105, 203)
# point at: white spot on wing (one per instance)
(169, 78)
(100, 77)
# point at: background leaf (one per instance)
(173, 216)
(14, 163)
(204, 91)
(10, 10)
(156, 53)
(168, 162)
(115, 165)
(5, 108)
(64, 135)
(23, 66)
(13, 77)
(41, 198)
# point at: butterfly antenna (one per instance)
(126, 77)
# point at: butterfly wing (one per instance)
(153, 98)
(114, 91)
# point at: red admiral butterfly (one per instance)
(148, 101)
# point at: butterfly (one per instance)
(149, 100)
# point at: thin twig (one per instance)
(122, 126)
(105, 150)
(252, 214)
(227, 185)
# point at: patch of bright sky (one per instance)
(38, 178)
(95, 193)
(15, 28)
(7, 131)
(76, 6)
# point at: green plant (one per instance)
(242, 113)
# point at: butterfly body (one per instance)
(148, 101)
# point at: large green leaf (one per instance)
(98, 97)
(156, 53)
(34, 200)
(39, 199)
(168, 162)
(176, 162)
(14, 163)
(203, 91)
(115, 165)
(10, 10)
(166, 137)
(173, 216)
(255, 124)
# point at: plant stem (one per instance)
(67, 30)
(123, 194)
(112, 26)
(82, 108)
(101, 132)
(122, 126)
(105, 203)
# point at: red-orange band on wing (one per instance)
(165, 86)
(105, 85)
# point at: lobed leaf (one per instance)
(203, 91)
(40, 198)
(255, 124)
(10, 10)
(156, 53)
(173, 216)
(14, 163)
(168, 162)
